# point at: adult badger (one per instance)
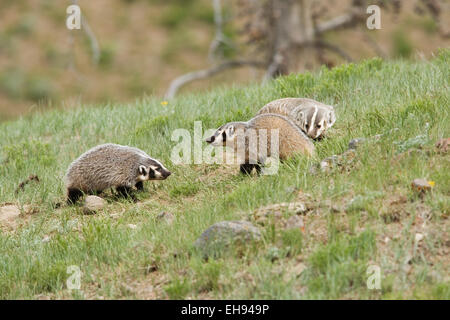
(313, 117)
(111, 165)
(256, 135)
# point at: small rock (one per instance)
(355, 143)
(387, 240)
(165, 216)
(422, 185)
(132, 226)
(46, 238)
(335, 208)
(93, 204)
(328, 163)
(220, 235)
(418, 237)
(442, 145)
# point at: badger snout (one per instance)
(166, 174)
(158, 173)
(162, 174)
(210, 139)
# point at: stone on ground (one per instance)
(93, 204)
(221, 235)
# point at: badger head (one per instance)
(225, 134)
(315, 121)
(152, 170)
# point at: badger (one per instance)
(314, 120)
(111, 165)
(313, 117)
(291, 140)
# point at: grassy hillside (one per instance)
(359, 214)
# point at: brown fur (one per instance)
(300, 111)
(285, 106)
(291, 139)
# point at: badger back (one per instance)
(281, 106)
(104, 166)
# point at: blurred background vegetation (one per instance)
(145, 44)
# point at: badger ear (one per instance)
(231, 130)
(142, 170)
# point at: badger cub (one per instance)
(291, 140)
(111, 165)
(313, 117)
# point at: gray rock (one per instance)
(92, 204)
(355, 143)
(328, 163)
(221, 235)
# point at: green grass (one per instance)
(158, 260)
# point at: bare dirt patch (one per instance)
(11, 215)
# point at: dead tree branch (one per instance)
(374, 45)
(279, 32)
(220, 38)
(95, 47)
(340, 22)
(179, 82)
(331, 47)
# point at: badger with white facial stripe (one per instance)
(314, 120)
(313, 117)
(111, 165)
(256, 135)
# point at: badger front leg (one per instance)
(126, 192)
(73, 195)
(246, 168)
(140, 185)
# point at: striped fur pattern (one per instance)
(111, 165)
(291, 139)
(314, 120)
(313, 117)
